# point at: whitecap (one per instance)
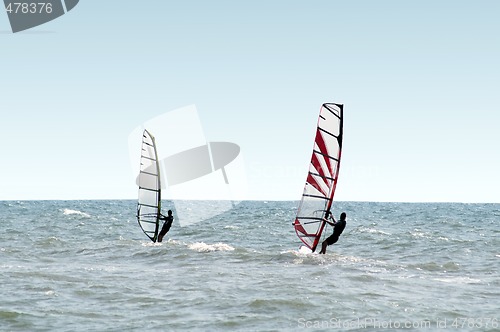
(203, 247)
(76, 212)
(231, 227)
(302, 252)
(172, 241)
(159, 244)
(459, 280)
(419, 234)
(151, 244)
(305, 250)
(290, 251)
(373, 231)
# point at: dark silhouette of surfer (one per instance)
(338, 228)
(168, 220)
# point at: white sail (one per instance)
(149, 198)
(322, 177)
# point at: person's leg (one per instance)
(323, 247)
(161, 235)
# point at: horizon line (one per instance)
(245, 200)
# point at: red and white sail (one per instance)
(322, 177)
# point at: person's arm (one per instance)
(334, 221)
(330, 223)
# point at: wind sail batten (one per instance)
(322, 177)
(149, 196)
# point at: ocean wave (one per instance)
(436, 267)
(421, 235)
(150, 244)
(9, 315)
(69, 212)
(231, 227)
(304, 256)
(373, 231)
(459, 280)
(203, 247)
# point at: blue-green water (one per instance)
(86, 265)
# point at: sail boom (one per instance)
(310, 222)
(150, 222)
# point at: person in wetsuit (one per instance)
(338, 228)
(168, 220)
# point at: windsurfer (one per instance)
(168, 220)
(338, 228)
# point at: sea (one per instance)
(87, 266)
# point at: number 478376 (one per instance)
(29, 8)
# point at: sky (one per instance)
(419, 82)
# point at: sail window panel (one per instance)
(322, 167)
(148, 181)
(146, 196)
(331, 125)
(315, 188)
(148, 151)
